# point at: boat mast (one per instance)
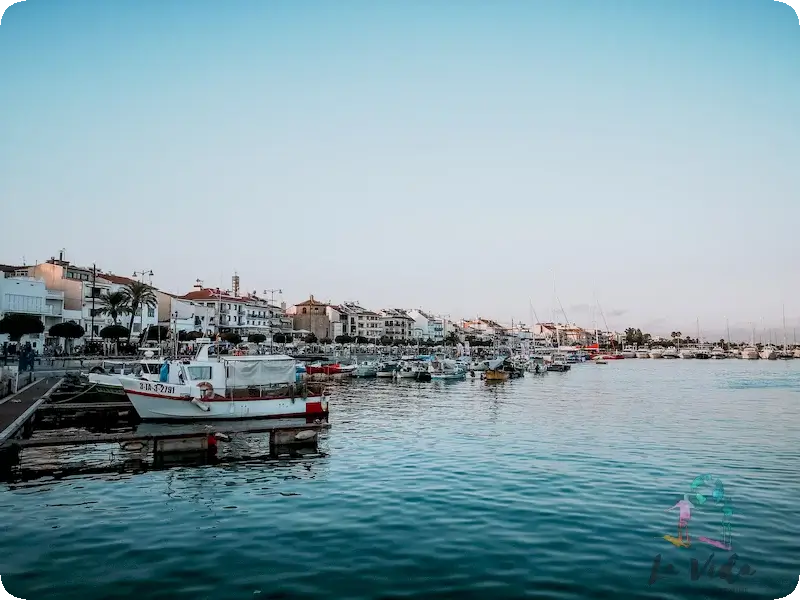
(728, 329)
(784, 328)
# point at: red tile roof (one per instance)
(118, 279)
(311, 302)
(210, 294)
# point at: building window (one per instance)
(304, 311)
(151, 312)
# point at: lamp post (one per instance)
(141, 275)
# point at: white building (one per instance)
(426, 326)
(107, 283)
(246, 315)
(29, 295)
(360, 321)
(397, 324)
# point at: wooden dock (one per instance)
(17, 410)
(32, 423)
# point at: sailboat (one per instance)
(702, 351)
(750, 352)
(785, 354)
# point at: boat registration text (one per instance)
(158, 388)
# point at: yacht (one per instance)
(769, 353)
(670, 353)
(796, 353)
(702, 353)
(642, 353)
(750, 353)
(628, 352)
(686, 353)
(656, 353)
(717, 353)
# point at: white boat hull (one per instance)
(159, 402)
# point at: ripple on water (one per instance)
(553, 486)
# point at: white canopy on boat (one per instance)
(245, 371)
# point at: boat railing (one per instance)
(300, 389)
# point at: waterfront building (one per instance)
(312, 316)
(426, 325)
(30, 296)
(397, 324)
(227, 311)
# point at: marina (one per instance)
(522, 459)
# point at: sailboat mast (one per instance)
(728, 329)
(784, 327)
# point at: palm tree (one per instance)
(114, 304)
(138, 296)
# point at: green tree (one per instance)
(114, 305)
(385, 340)
(157, 333)
(360, 339)
(232, 337)
(311, 339)
(138, 295)
(114, 332)
(257, 338)
(68, 330)
(279, 338)
(326, 340)
(15, 325)
(451, 338)
(343, 339)
(189, 336)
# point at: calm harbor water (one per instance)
(554, 487)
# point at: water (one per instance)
(551, 486)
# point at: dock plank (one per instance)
(77, 406)
(170, 434)
(14, 407)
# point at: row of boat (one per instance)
(701, 352)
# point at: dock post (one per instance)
(9, 458)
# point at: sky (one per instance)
(472, 158)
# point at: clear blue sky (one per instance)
(451, 155)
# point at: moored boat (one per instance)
(656, 353)
(750, 353)
(227, 387)
(670, 353)
(642, 353)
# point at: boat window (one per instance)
(196, 373)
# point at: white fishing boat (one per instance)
(717, 353)
(408, 369)
(105, 376)
(670, 352)
(686, 353)
(444, 369)
(386, 369)
(366, 369)
(641, 353)
(656, 353)
(629, 352)
(348, 370)
(226, 387)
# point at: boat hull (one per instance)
(493, 375)
(168, 405)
